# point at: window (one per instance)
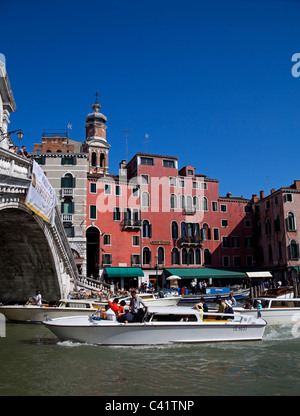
(279, 250)
(147, 161)
(226, 261)
(225, 242)
(174, 230)
(107, 259)
(93, 188)
(247, 224)
(277, 224)
(173, 201)
(135, 259)
(267, 204)
(69, 231)
(168, 164)
(268, 226)
(135, 192)
(135, 240)
(195, 185)
(147, 229)
(235, 242)
(249, 261)
(248, 242)
(160, 255)
(94, 159)
(191, 256)
(237, 261)
(196, 205)
(68, 181)
(223, 208)
(214, 205)
(276, 200)
(247, 209)
(182, 202)
(93, 212)
(198, 256)
(206, 235)
(146, 255)
(207, 257)
(216, 234)
(204, 204)
(294, 250)
(107, 240)
(68, 160)
(145, 200)
(107, 189)
(190, 172)
(117, 214)
(203, 185)
(117, 190)
(290, 222)
(181, 183)
(224, 223)
(175, 256)
(67, 207)
(172, 181)
(184, 256)
(288, 198)
(145, 180)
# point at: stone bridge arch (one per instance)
(33, 255)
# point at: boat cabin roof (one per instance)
(177, 310)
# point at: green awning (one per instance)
(204, 273)
(124, 271)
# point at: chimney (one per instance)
(261, 194)
(297, 183)
(254, 198)
(273, 190)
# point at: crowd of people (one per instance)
(21, 152)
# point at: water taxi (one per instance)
(160, 325)
(275, 311)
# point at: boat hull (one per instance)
(79, 329)
(275, 316)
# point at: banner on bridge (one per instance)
(41, 197)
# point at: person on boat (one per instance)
(121, 309)
(108, 314)
(135, 306)
(232, 299)
(37, 298)
(228, 308)
(127, 316)
(248, 305)
(221, 308)
(114, 305)
(199, 307)
(258, 304)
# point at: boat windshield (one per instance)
(159, 317)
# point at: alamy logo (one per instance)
(296, 66)
(2, 326)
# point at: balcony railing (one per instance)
(67, 217)
(189, 211)
(190, 241)
(67, 192)
(131, 223)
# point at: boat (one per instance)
(163, 298)
(275, 311)
(34, 313)
(214, 293)
(283, 292)
(160, 325)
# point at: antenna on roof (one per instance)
(146, 141)
(126, 139)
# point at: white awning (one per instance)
(259, 274)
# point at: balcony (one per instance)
(131, 223)
(189, 211)
(190, 241)
(67, 217)
(67, 192)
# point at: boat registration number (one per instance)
(240, 328)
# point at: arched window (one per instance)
(173, 201)
(191, 256)
(67, 207)
(196, 203)
(102, 160)
(68, 181)
(174, 230)
(294, 250)
(207, 257)
(182, 202)
(184, 232)
(146, 255)
(291, 223)
(184, 256)
(268, 226)
(189, 204)
(147, 228)
(145, 200)
(94, 159)
(204, 204)
(206, 234)
(175, 256)
(160, 255)
(198, 256)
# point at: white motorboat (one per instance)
(34, 313)
(283, 292)
(275, 311)
(154, 299)
(160, 325)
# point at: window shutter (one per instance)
(150, 232)
(72, 208)
(74, 183)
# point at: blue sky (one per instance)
(209, 81)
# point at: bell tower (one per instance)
(95, 141)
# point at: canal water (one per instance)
(33, 362)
